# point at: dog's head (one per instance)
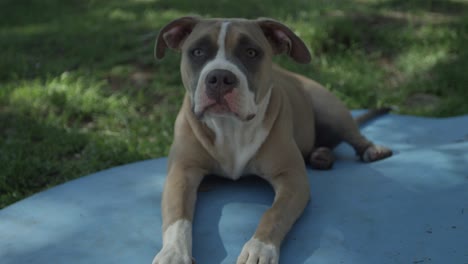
(226, 64)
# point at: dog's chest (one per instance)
(236, 144)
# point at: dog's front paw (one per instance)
(256, 251)
(172, 256)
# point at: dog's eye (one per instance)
(198, 52)
(251, 53)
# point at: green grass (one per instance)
(80, 91)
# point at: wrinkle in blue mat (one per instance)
(410, 208)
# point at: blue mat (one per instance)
(410, 208)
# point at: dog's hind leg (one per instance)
(340, 126)
(365, 149)
(334, 124)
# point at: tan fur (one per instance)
(290, 119)
(297, 112)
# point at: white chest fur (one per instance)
(238, 141)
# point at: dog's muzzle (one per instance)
(219, 83)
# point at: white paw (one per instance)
(257, 252)
(376, 152)
(177, 244)
(170, 255)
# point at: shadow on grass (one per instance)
(43, 147)
(242, 8)
(56, 36)
(47, 38)
(411, 47)
(35, 156)
(448, 7)
(447, 79)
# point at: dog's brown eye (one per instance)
(198, 52)
(251, 53)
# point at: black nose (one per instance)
(220, 82)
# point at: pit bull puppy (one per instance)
(244, 115)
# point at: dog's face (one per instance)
(226, 64)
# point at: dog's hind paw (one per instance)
(376, 152)
(322, 159)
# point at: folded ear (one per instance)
(283, 40)
(173, 34)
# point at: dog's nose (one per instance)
(220, 82)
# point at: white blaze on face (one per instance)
(237, 140)
(222, 41)
(245, 99)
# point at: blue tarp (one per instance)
(410, 208)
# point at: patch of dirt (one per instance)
(141, 76)
(115, 82)
(394, 77)
(422, 100)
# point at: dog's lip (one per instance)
(216, 108)
(219, 107)
(226, 105)
(225, 110)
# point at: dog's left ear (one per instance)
(173, 34)
(283, 40)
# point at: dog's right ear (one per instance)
(173, 35)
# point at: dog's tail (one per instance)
(371, 114)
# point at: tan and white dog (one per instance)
(243, 115)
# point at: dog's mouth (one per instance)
(219, 108)
(222, 109)
(225, 106)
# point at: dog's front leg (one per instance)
(178, 202)
(292, 194)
